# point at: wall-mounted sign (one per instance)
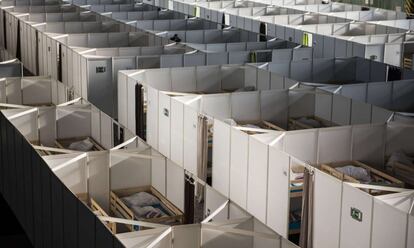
(307, 39)
(356, 214)
(197, 11)
(100, 69)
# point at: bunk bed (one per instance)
(357, 172)
(128, 204)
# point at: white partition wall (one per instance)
(248, 168)
(240, 132)
(278, 189)
(392, 95)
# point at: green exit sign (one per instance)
(356, 214)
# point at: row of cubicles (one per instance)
(332, 29)
(85, 50)
(67, 168)
(221, 123)
(214, 132)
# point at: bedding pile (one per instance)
(83, 145)
(358, 173)
(144, 205)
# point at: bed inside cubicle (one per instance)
(131, 203)
(74, 170)
(38, 91)
(138, 192)
(68, 128)
(398, 157)
(358, 172)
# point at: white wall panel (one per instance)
(131, 104)
(274, 106)
(221, 157)
(129, 172)
(158, 172)
(323, 105)
(334, 144)
(278, 192)
(187, 236)
(47, 126)
(327, 211)
(164, 119)
(302, 144)
(355, 233)
(152, 117)
(106, 131)
(217, 106)
(389, 226)
(98, 181)
(410, 232)
(175, 184)
(122, 99)
(72, 123)
(177, 131)
(183, 79)
(190, 139)
(238, 167)
(368, 144)
(257, 179)
(245, 106)
(341, 110)
(360, 113)
(213, 201)
(73, 176)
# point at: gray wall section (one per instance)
(100, 86)
(50, 213)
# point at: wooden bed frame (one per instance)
(41, 152)
(262, 125)
(64, 143)
(403, 172)
(96, 209)
(408, 62)
(375, 174)
(294, 124)
(119, 208)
